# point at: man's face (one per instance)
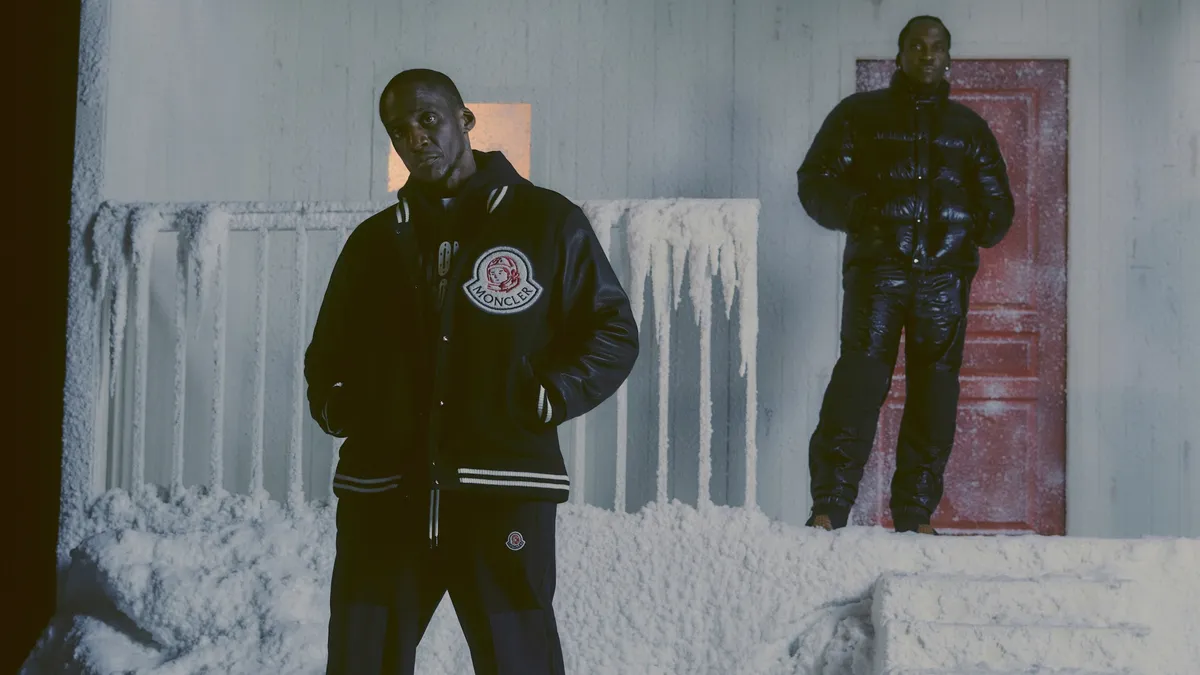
(925, 54)
(427, 129)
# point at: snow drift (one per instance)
(222, 583)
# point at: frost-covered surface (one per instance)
(79, 389)
(230, 584)
(667, 242)
(707, 238)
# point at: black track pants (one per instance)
(931, 309)
(494, 556)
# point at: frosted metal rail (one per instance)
(666, 242)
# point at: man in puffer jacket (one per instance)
(458, 330)
(918, 184)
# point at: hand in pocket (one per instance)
(529, 402)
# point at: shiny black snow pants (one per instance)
(495, 557)
(931, 309)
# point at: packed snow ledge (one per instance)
(229, 584)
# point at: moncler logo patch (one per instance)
(515, 541)
(503, 282)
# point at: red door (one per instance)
(1008, 468)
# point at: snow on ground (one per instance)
(229, 584)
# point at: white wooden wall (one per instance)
(275, 100)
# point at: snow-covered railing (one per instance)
(187, 249)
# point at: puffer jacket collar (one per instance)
(903, 88)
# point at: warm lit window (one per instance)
(498, 126)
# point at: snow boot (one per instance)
(828, 517)
(913, 526)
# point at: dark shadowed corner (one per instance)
(45, 58)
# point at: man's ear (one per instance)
(468, 119)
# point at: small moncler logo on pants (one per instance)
(503, 282)
(515, 541)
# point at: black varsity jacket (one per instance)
(534, 329)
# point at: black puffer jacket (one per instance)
(535, 329)
(913, 180)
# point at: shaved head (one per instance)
(429, 127)
(423, 77)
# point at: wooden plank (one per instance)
(669, 70)
(1088, 508)
(642, 127)
(1159, 43)
(642, 144)
(1115, 201)
(1071, 20)
(588, 84)
(1189, 214)
(360, 105)
(718, 99)
(562, 103)
(721, 101)
(1147, 491)
(791, 412)
(1035, 24)
(616, 123)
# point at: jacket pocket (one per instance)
(357, 475)
(369, 512)
(348, 485)
(526, 402)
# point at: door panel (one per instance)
(1008, 469)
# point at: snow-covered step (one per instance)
(918, 645)
(1044, 601)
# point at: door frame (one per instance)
(1088, 511)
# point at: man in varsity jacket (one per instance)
(458, 330)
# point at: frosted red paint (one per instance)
(1008, 468)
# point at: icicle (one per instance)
(610, 216)
(217, 439)
(206, 230)
(295, 494)
(729, 276)
(640, 241)
(260, 365)
(604, 215)
(579, 458)
(675, 235)
(622, 447)
(700, 293)
(143, 225)
(204, 233)
(648, 251)
(640, 248)
(745, 225)
(181, 296)
(660, 283)
(110, 257)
